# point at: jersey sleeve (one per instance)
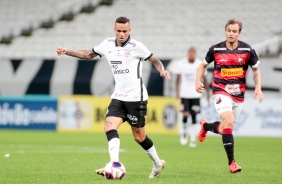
(209, 57)
(143, 52)
(100, 49)
(253, 60)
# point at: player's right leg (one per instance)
(114, 119)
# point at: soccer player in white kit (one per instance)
(186, 92)
(129, 100)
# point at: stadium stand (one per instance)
(168, 27)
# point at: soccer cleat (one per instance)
(202, 134)
(183, 139)
(100, 171)
(234, 167)
(156, 171)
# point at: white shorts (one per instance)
(223, 103)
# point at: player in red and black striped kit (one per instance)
(231, 60)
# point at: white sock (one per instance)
(114, 149)
(152, 153)
(192, 132)
(185, 128)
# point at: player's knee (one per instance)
(186, 113)
(109, 125)
(139, 138)
(229, 122)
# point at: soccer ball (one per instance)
(114, 170)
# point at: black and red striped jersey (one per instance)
(230, 67)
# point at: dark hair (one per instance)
(192, 48)
(122, 20)
(234, 21)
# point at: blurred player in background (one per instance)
(231, 60)
(129, 100)
(186, 92)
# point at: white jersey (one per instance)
(126, 62)
(187, 72)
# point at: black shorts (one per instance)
(134, 113)
(191, 105)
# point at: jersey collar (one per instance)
(124, 43)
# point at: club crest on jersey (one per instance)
(127, 52)
(240, 60)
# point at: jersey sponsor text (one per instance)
(231, 72)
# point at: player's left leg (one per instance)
(136, 117)
(194, 109)
(228, 139)
(147, 144)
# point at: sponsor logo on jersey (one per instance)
(223, 60)
(116, 62)
(121, 71)
(231, 72)
(121, 95)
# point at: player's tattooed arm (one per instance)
(256, 77)
(157, 63)
(82, 54)
(159, 66)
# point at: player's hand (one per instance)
(61, 51)
(200, 87)
(165, 74)
(258, 93)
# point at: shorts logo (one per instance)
(132, 118)
(231, 72)
(219, 101)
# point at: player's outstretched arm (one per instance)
(200, 73)
(81, 54)
(159, 66)
(257, 79)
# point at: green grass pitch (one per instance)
(50, 157)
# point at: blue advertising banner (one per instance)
(28, 112)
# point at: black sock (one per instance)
(184, 120)
(228, 143)
(112, 134)
(147, 143)
(213, 127)
(193, 116)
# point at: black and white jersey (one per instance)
(126, 62)
(188, 72)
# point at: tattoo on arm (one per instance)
(82, 54)
(157, 63)
(256, 77)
